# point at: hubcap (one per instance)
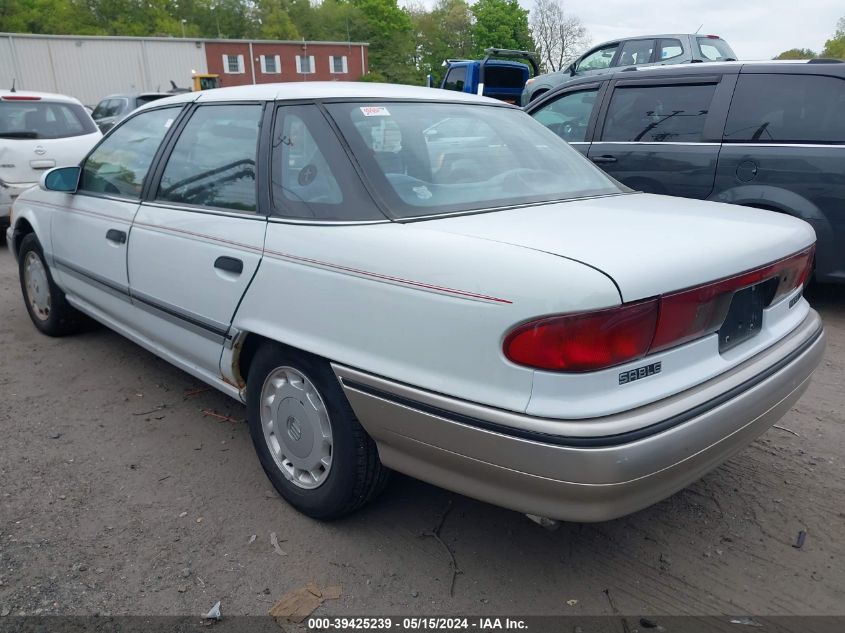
(296, 427)
(37, 286)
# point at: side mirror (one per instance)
(64, 179)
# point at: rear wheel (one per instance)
(307, 437)
(46, 303)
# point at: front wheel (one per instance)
(307, 437)
(46, 303)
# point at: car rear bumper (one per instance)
(495, 456)
(8, 193)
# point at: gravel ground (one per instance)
(126, 488)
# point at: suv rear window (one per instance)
(787, 109)
(43, 119)
(715, 49)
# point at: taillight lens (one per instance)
(585, 342)
(613, 336)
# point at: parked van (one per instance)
(769, 135)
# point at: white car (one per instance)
(501, 319)
(39, 131)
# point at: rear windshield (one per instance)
(433, 158)
(43, 119)
(716, 49)
(505, 76)
(148, 99)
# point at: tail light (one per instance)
(589, 341)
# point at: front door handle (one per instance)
(229, 264)
(118, 237)
(603, 160)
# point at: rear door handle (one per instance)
(229, 264)
(603, 160)
(118, 237)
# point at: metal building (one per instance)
(91, 67)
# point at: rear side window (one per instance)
(456, 79)
(43, 119)
(658, 113)
(787, 109)
(636, 52)
(569, 115)
(213, 161)
(120, 163)
(669, 49)
(312, 178)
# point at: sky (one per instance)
(755, 29)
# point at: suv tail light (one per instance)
(589, 341)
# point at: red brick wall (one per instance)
(287, 52)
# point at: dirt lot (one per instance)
(119, 496)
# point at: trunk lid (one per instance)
(23, 160)
(648, 244)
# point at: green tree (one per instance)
(500, 23)
(275, 21)
(797, 53)
(835, 47)
(442, 33)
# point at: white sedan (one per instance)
(495, 316)
(39, 131)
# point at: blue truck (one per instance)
(495, 76)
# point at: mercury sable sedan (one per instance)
(479, 307)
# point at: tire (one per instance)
(45, 301)
(289, 449)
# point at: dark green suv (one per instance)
(760, 134)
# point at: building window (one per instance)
(337, 65)
(305, 64)
(233, 64)
(271, 64)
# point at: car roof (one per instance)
(135, 95)
(709, 68)
(322, 90)
(43, 96)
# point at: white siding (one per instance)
(91, 68)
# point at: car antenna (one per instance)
(13, 85)
(699, 28)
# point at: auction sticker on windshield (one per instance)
(374, 111)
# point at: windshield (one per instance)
(716, 49)
(433, 158)
(43, 119)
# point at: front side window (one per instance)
(787, 109)
(37, 119)
(636, 52)
(568, 115)
(120, 163)
(658, 113)
(669, 49)
(213, 161)
(456, 79)
(305, 184)
(599, 59)
(481, 157)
